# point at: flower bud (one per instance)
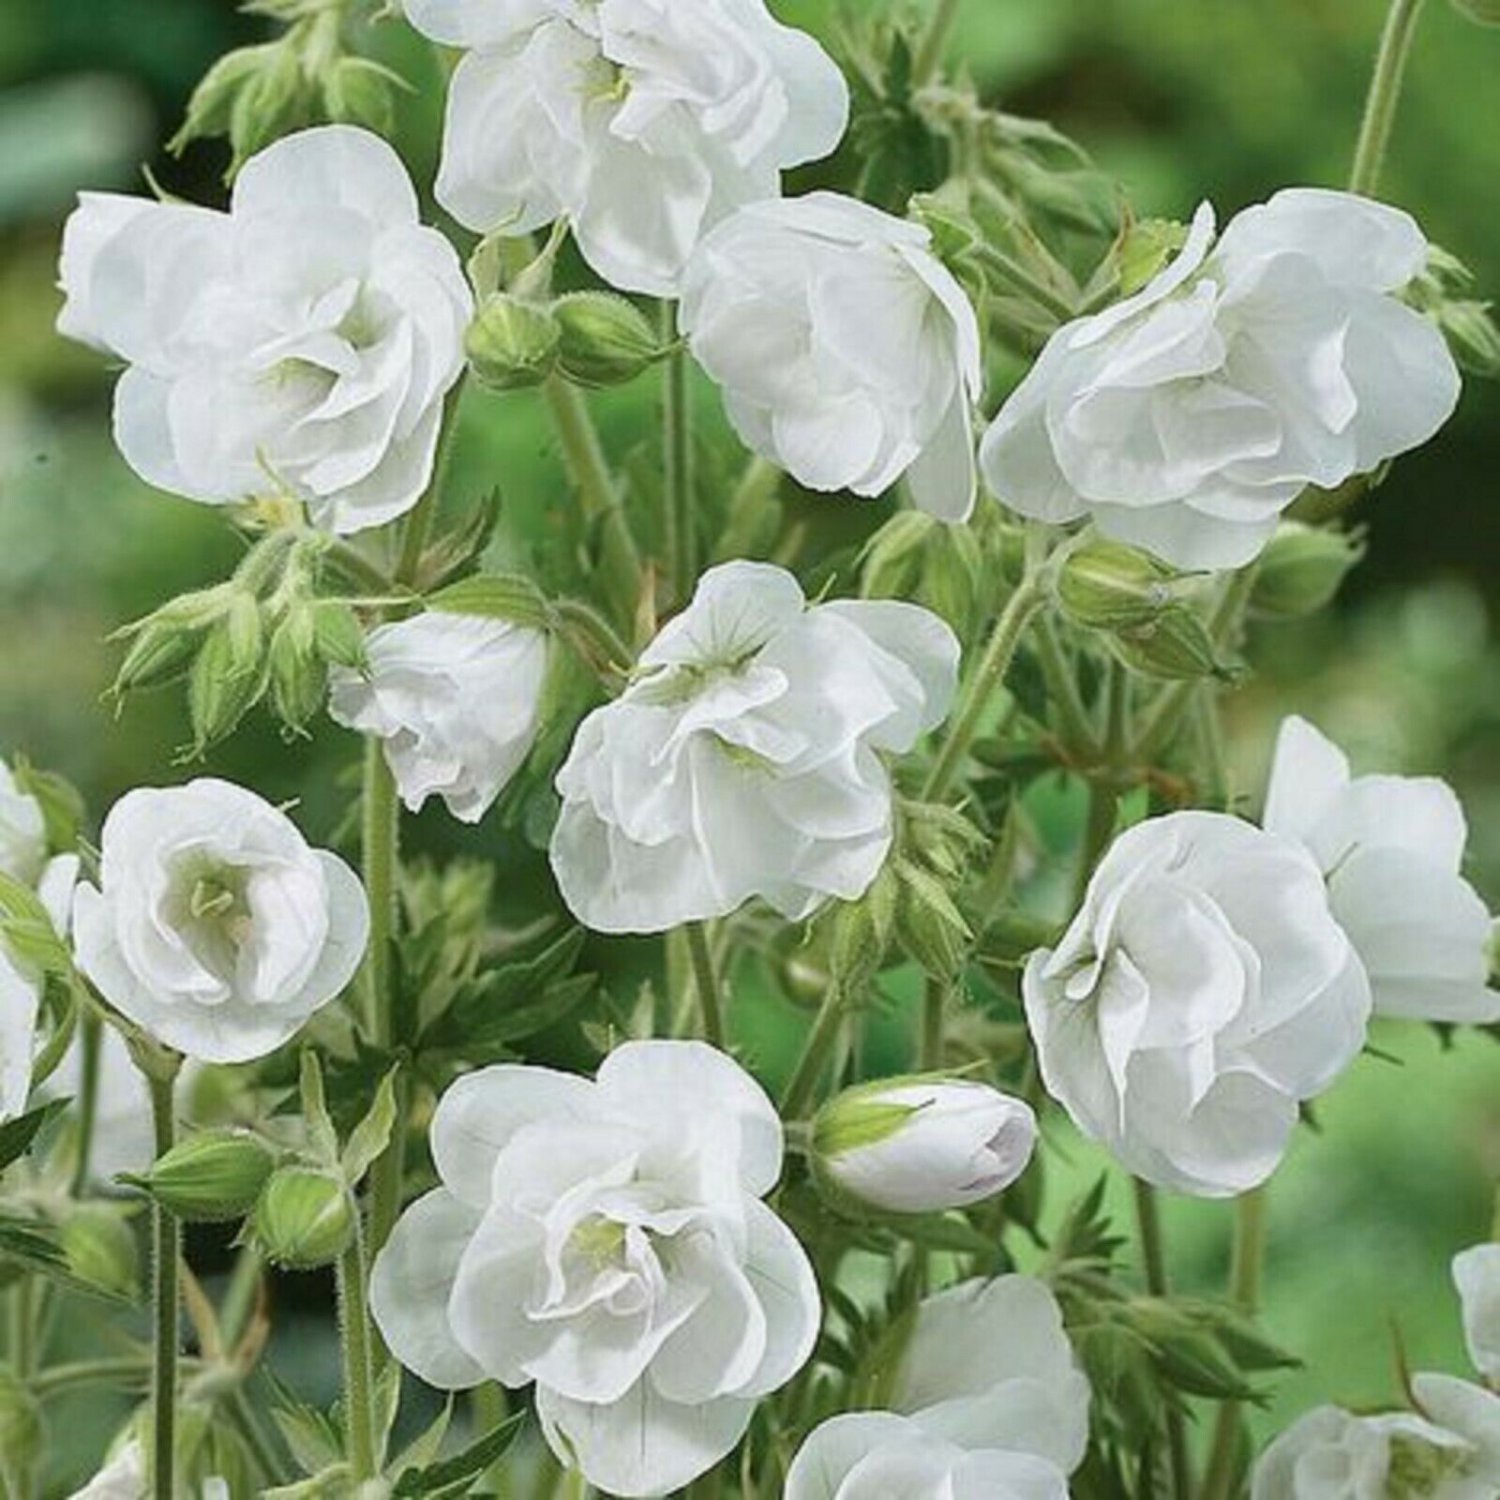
(357, 91)
(922, 1145)
(210, 1177)
(512, 343)
(305, 1218)
(299, 679)
(1301, 569)
(101, 1249)
(1175, 645)
(226, 681)
(212, 104)
(158, 654)
(1109, 586)
(603, 339)
(1473, 337)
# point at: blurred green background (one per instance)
(1228, 99)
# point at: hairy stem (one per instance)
(359, 1363)
(994, 664)
(706, 981)
(1384, 95)
(1154, 1262)
(934, 41)
(166, 1237)
(934, 1024)
(90, 1044)
(815, 1053)
(677, 435)
(1247, 1260)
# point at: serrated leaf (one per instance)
(456, 1476)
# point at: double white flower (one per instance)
(848, 353)
(644, 122)
(1392, 848)
(455, 701)
(607, 1240)
(303, 341)
(1476, 1275)
(215, 928)
(1187, 417)
(989, 1405)
(1203, 991)
(745, 757)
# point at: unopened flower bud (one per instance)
(1473, 337)
(512, 343)
(212, 104)
(305, 1218)
(604, 340)
(1175, 645)
(101, 1248)
(226, 681)
(357, 91)
(922, 1145)
(1301, 569)
(211, 1177)
(299, 678)
(1109, 586)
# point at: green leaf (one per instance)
(423, 1449)
(17, 1135)
(33, 1246)
(373, 1133)
(324, 1138)
(456, 1476)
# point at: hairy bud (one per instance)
(305, 1217)
(512, 343)
(211, 1177)
(603, 339)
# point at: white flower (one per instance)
(23, 831)
(923, 1145)
(991, 1405)
(644, 122)
(1203, 991)
(607, 1240)
(21, 989)
(1451, 1451)
(871, 1455)
(1392, 848)
(1186, 418)
(215, 928)
(989, 1365)
(1476, 1274)
(848, 353)
(122, 1478)
(305, 339)
(455, 701)
(745, 758)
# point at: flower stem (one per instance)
(706, 980)
(934, 42)
(995, 663)
(815, 1053)
(90, 1046)
(677, 435)
(934, 1023)
(583, 456)
(1385, 94)
(1154, 1262)
(1247, 1259)
(359, 1364)
(166, 1246)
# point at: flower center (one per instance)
(210, 908)
(600, 1241)
(1419, 1468)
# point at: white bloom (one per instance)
(21, 990)
(1186, 418)
(924, 1145)
(644, 122)
(989, 1365)
(23, 831)
(215, 928)
(1476, 1274)
(745, 758)
(1392, 848)
(122, 1478)
(454, 699)
(1203, 991)
(871, 1455)
(304, 339)
(848, 353)
(1449, 1452)
(607, 1240)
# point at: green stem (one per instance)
(710, 995)
(677, 436)
(359, 1363)
(22, 1350)
(1102, 811)
(91, 1044)
(166, 1237)
(1247, 1261)
(934, 42)
(358, 568)
(1063, 697)
(1385, 94)
(588, 468)
(419, 521)
(993, 666)
(1154, 1262)
(934, 1023)
(1019, 279)
(816, 1052)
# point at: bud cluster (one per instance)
(592, 339)
(1444, 290)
